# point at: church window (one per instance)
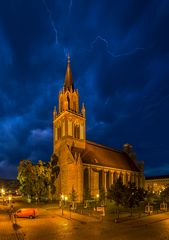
(68, 100)
(81, 131)
(69, 128)
(59, 132)
(76, 131)
(86, 179)
(63, 128)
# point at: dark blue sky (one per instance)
(120, 63)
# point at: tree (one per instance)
(165, 194)
(102, 195)
(41, 180)
(134, 196)
(38, 180)
(54, 172)
(117, 193)
(25, 176)
(73, 197)
(87, 194)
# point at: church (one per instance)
(85, 165)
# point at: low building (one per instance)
(156, 184)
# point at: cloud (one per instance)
(119, 57)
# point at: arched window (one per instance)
(86, 179)
(59, 132)
(68, 100)
(77, 131)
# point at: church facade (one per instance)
(85, 165)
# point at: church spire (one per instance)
(68, 84)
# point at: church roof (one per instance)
(68, 84)
(100, 155)
(157, 177)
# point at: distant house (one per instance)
(9, 185)
(156, 184)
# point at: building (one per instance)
(85, 165)
(156, 184)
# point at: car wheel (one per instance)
(31, 217)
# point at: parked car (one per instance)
(26, 212)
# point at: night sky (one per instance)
(120, 62)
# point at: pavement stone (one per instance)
(8, 230)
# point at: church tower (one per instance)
(69, 123)
(69, 137)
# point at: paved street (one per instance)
(51, 225)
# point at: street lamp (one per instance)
(2, 194)
(62, 202)
(9, 198)
(2, 191)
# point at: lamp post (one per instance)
(62, 201)
(9, 198)
(97, 200)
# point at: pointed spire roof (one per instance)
(68, 84)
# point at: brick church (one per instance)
(85, 165)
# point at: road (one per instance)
(51, 225)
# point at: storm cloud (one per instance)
(119, 57)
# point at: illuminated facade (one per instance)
(156, 184)
(84, 165)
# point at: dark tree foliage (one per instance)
(102, 195)
(165, 194)
(117, 193)
(134, 196)
(87, 194)
(55, 169)
(38, 180)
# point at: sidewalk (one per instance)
(70, 215)
(125, 218)
(8, 230)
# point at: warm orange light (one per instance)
(62, 197)
(2, 191)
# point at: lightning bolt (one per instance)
(51, 21)
(113, 54)
(99, 38)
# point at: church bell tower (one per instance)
(69, 124)
(69, 137)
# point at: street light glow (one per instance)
(2, 191)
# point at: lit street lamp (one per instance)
(9, 198)
(2, 191)
(63, 200)
(2, 194)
